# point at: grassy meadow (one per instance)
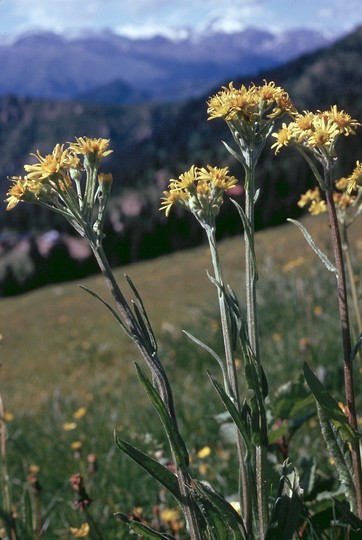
(68, 377)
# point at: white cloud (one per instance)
(159, 15)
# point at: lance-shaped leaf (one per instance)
(142, 317)
(206, 495)
(143, 530)
(330, 406)
(287, 506)
(153, 467)
(173, 434)
(323, 257)
(234, 413)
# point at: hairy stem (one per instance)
(232, 375)
(158, 374)
(252, 326)
(346, 341)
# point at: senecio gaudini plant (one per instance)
(67, 181)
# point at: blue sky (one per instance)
(147, 17)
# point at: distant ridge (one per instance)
(47, 65)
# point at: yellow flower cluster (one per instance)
(200, 190)
(315, 130)
(354, 181)
(312, 198)
(51, 175)
(250, 104)
(81, 532)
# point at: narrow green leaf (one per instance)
(230, 517)
(173, 434)
(153, 467)
(109, 307)
(330, 406)
(143, 530)
(237, 156)
(287, 507)
(323, 257)
(247, 228)
(146, 325)
(213, 354)
(234, 413)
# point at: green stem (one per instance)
(228, 338)
(349, 266)
(252, 326)
(346, 339)
(158, 373)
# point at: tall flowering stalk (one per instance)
(315, 136)
(250, 113)
(72, 187)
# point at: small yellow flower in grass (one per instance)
(294, 263)
(79, 413)
(168, 515)
(69, 426)
(81, 532)
(8, 416)
(204, 452)
(317, 310)
(76, 445)
(33, 469)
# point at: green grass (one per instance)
(61, 350)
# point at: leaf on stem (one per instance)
(143, 530)
(287, 506)
(173, 434)
(109, 307)
(323, 257)
(142, 316)
(330, 406)
(215, 506)
(152, 466)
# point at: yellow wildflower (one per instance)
(324, 133)
(317, 207)
(343, 120)
(69, 426)
(200, 190)
(91, 148)
(283, 137)
(355, 179)
(52, 164)
(310, 196)
(80, 532)
(249, 104)
(21, 190)
(168, 515)
(79, 413)
(204, 452)
(76, 445)
(8, 416)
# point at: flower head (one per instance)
(80, 532)
(92, 149)
(54, 164)
(312, 198)
(250, 104)
(200, 190)
(317, 132)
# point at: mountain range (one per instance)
(111, 68)
(152, 143)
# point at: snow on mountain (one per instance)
(158, 67)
